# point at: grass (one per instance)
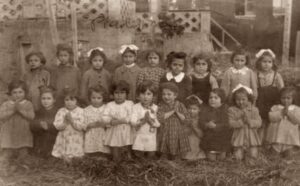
(90, 171)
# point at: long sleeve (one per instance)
(279, 81)
(59, 121)
(253, 84)
(7, 109)
(213, 82)
(275, 114)
(294, 116)
(78, 119)
(254, 118)
(225, 84)
(233, 120)
(26, 110)
(84, 86)
(141, 77)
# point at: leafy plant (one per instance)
(170, 26)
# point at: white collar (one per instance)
(129, 66)
(177, 78)
(242, 71)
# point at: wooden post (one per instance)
(287, 32)
(74, 32)
(297, 51)
(52, 22)
(205, 21)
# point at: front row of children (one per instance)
(120, 126)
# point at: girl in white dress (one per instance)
(69, 121)
(117, 114)
(94, 124)
(145, 121)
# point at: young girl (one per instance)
(239, 74)
(172, 115)
(69, 121)
(15, 115)
(283, 131)
(95, 127)
(177, 64)
(65, 75)
(144, 119)
(129, 70)
(97, 74)
(36, 77)
(195, 134)
(214, 123)
(119, 134)
(153, 72)
(269, 84)
(202, 80)
(44, 132)
(245, 121)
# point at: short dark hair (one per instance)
(192, 100)
(221, 93)
(159, 54)
(38, 54)
(289, 90)
(146, 85)
(121, 86)
(67, 48)
(98, 89)
(242, 91)
(17, 84)
(242, 52)
(69, 92)
(47, 89)
(177, 55)
(204, 57)
(97, 52)
(170, 86)
(259, 60)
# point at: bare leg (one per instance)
(239, 154)
(211, 156)
(254, 152)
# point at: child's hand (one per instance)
(211, 125)
(180, 115)
(69, 118)
(115, 122)
(44, 125)
(285, 111)
(169, 114)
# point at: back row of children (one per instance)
(190, 107)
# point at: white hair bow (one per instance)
(97, 48)
(249, 90)
(131, 47)
(196, 97)
(262, 51)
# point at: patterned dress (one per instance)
(123, 134)
(173, 138)
(94, 137)
(34, 80)
(15, 128)
(145, 139)
(283, 131)
(152, 74)
(245, 124)
(69, 141)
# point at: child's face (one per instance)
(286, 99)
(47, 100)
(146, 98)
(194, 110)
(153, 59)
(239, 61)
(70, 103)
(168, 96)
(128, 58)
(214, 100)
(97, 62)
(241, 100)
(34, 62)
(64, 57)
(201, 66)
(267, 63)
(18, 94)
(177, 66)
(96, 99)
(120, 96)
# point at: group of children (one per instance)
(149, 112)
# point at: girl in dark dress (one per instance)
(214, 123)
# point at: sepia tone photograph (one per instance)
(149, 92)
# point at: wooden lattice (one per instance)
(10, 9)
(127, 9)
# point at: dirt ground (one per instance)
(267, 170)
